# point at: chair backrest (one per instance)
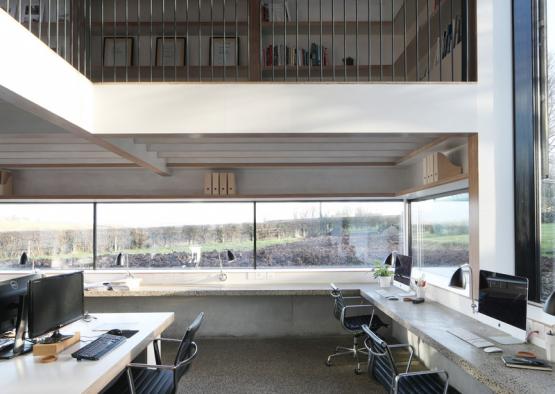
(381, 365)
(186, 348)
(338, 301)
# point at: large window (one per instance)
(197, 235)
(440, 233)
(534, 139)
(51, 235)
(547, 184)
(174, 235)
(326, 234)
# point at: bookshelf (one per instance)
(302, 40)
(170, 41)
(409, 41)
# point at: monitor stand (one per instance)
(507, 340)
(20, 346)
(54, 338)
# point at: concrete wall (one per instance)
(232, 316)
(263, 181)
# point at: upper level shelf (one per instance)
(259, 40)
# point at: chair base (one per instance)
(349, 351)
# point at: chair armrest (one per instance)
(411, 352)
(166, 340)
(357, 310)
(408, 375)
(154, 366)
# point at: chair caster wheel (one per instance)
(328, 363)
(357, 371)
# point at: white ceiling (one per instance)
(28, 141)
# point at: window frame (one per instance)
(529, 129)
(436, 279)
(254, 202)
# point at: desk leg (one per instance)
(150, 357)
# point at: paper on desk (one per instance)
(121, 326)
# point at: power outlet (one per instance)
(260, 275)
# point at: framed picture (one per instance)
(170, 51)
(31, 12)
(118, 51)
(224, 51)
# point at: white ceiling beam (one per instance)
(278, 154)
(278, 160)
(369, 139)
(85, 147)
(77, 162)
(58, 155)
(289, 146)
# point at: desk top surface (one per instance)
(24, 374)
(430, 321)
(283, 289)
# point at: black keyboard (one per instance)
(99, 347)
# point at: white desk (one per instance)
(24, 374)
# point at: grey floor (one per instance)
(272, 366)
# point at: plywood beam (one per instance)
(123, 147)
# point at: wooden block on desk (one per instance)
(49, 349)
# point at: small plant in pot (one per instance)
(382, 273)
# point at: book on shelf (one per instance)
(526, 363)
(452, 35)
(275, 11)
(282, 55)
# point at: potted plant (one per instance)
(382, 273)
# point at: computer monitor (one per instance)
(54, 302)
(403, 269)
(503, 302)
(13, 312)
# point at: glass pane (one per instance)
(174, 235)
(547, 229)
(440, 233)
(52, 235)
(326, 234)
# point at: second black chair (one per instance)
(382, 366)
(352, 312)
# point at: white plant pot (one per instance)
(385, 281)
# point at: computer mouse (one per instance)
(115, 331)
(493, 349)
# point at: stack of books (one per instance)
(526, 363)
(282, 55)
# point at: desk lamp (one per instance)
(24, 259)
(119, 263)
(458, 281)
(230, 259)
(549, 306)
(390, 259)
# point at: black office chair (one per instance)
(352, 312)
(158, 378)
(382, 366)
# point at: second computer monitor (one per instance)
(11, 292)
(54, 302)
(403, 269)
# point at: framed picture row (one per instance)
(169, 51)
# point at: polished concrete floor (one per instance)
(272, 366)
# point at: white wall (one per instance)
(32, 71)
(495, 128)
(284, 108)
